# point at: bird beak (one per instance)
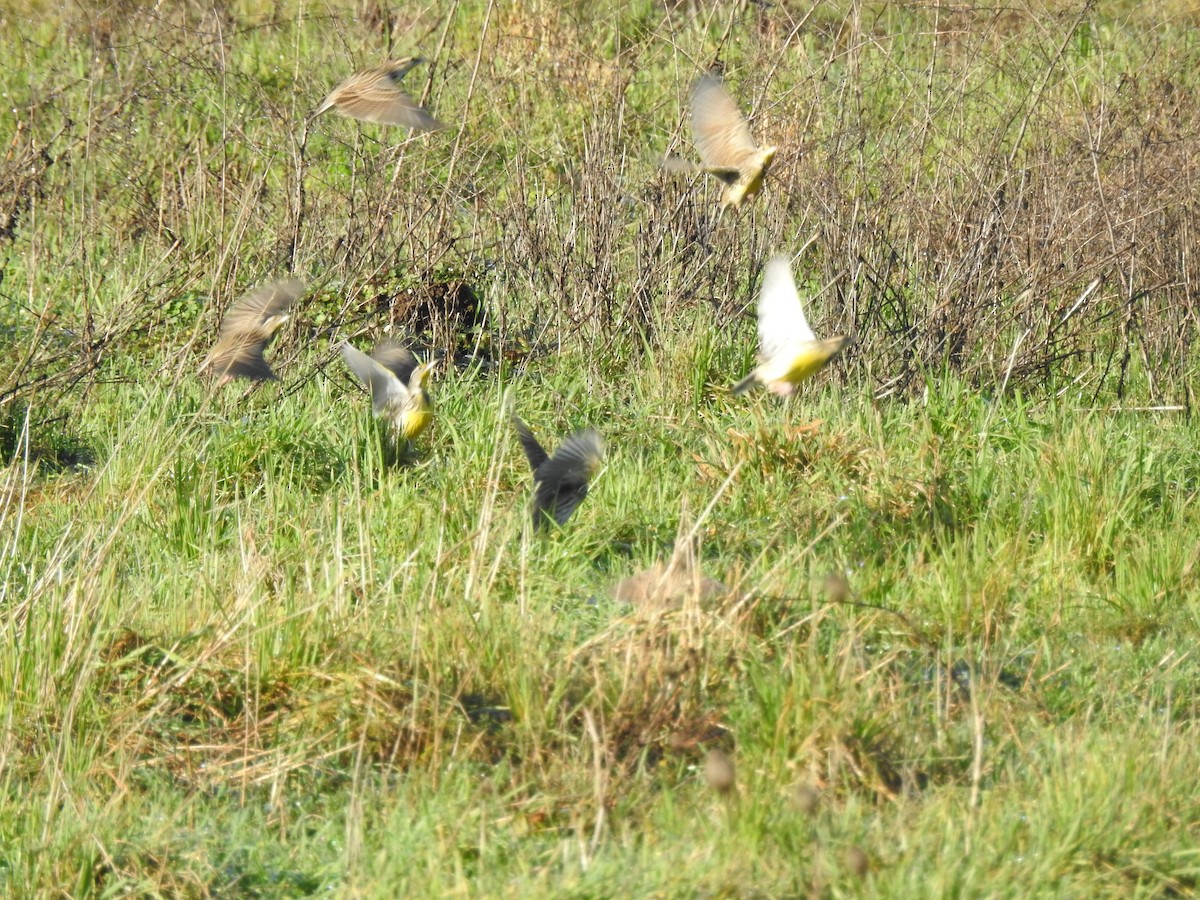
(409, 64)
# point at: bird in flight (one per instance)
(789, 352)
(561, 480)
(375, 95)
(723, 140)
(247, 328)
(398, 386)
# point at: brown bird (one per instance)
(806, 799)
(247, 328)
(857, 861)
(670, 583)
(374, 95)
(723, 140)
(720, 771)
(560, 481)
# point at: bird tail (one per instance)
(745, 384)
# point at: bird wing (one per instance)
(719, 129)
(398, 359)
(240, 357)
(254, 311)
(375, 95)
(383, 383)
(396, 69)
(677, 164)
(533, 450)
(248, 325)
(386, 104)
(562, 480)
(724, 173)
(781, 320)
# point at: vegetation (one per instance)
(244, 652)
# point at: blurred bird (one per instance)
(561, 480)
(789, 352)
(374, 95)
(720, 771)
(806, 799)
(723, 140)
(857, 861)
(671, 583)
(247, 328)
(398, 386)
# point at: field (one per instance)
(244, 652)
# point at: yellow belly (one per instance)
(805, 365)
(412, 422)
(801, 363)
(754, 171)
(743, 190)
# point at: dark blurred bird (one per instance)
(789, 352)
(374, 95)
(398, 386)
(247, 328)
(561, 480)
(723, 140)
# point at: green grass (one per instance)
(243, 656)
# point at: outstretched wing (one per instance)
(399, 360)
(563, 479)
(247, 327)
(382, 382)
(375, 95)
(781, 320)
(533, 450)
(388, 105)
(242, 360)
(255, 312)
(720, 131)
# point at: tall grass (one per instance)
(244, 655)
